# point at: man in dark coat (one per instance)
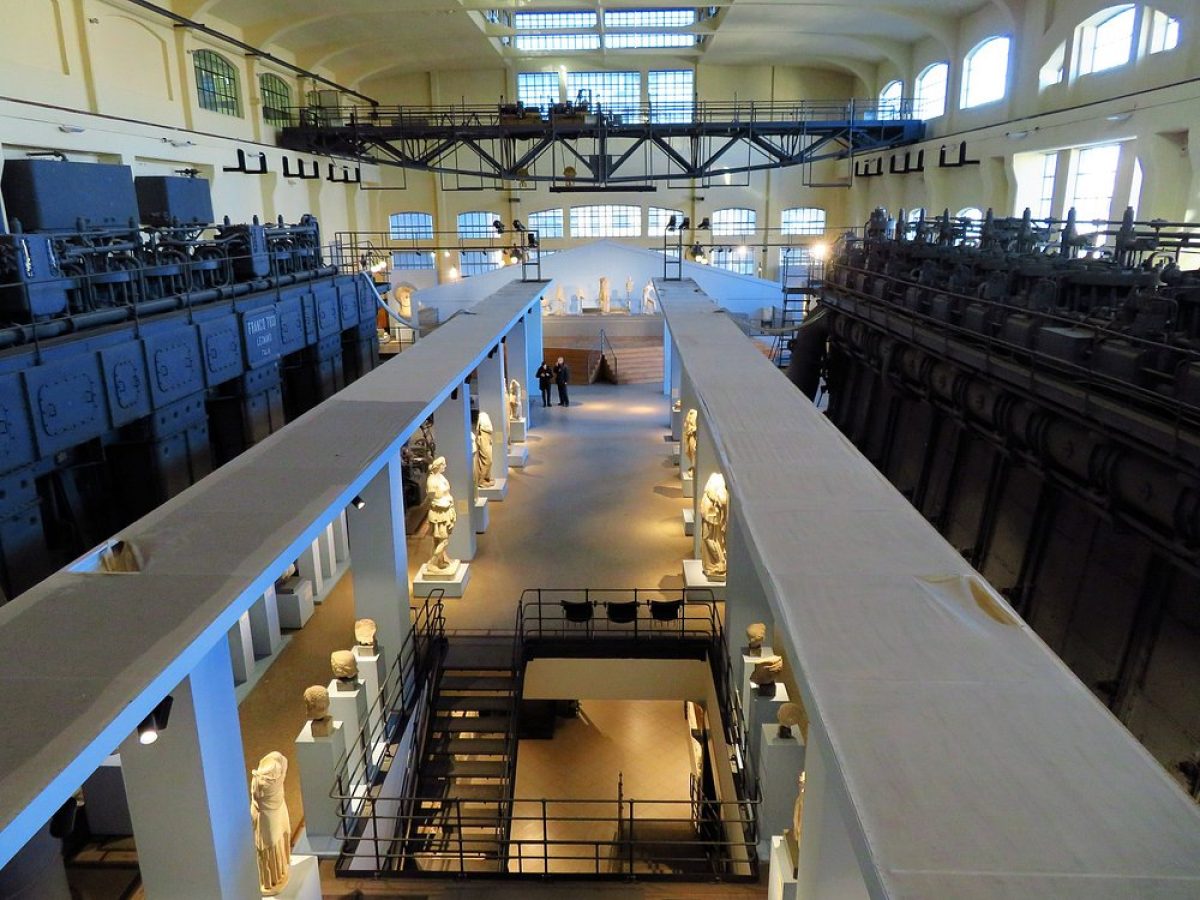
(562, 375)
(545, 377)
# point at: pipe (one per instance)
(247, 48)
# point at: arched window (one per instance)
(1106, 39)
(734, 220)
(410, 226)
(929, 96)
(985, 72)
(476, 224)
(276, 98)
(657, 218)
(889, 100)
(803, 220)
(216, 83)
(548, 223)
(1164, 32)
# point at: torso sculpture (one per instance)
(560, 301)
(483, 451)
(442, 517)
(272, 825)
(629, 293)
(690, 427)
(648, 298)
(605, 295)
(714, 512)
(514, 400)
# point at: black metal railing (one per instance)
(617, 613)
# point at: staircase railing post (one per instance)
(462, 866)
(545, 842)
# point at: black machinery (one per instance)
(142, 344)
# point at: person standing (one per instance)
(562, 376)
(545, 377)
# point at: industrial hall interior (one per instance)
(515, 448)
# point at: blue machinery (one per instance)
(141, 346)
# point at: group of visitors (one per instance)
(559, 375)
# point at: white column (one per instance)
(309, 566)
(669, 363)
(381, 589)
(452, 423)
(493, 401)
(780, 762)
(264, 624)
(829, 869)
(241, 649)
(535, 351)
(341, 539)
(188, 793)
(327, 552)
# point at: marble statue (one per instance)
(272, 824)
(514, 400)
(316, 710)
(690, 427)
(605, 296)
(442, 517)
(766, 673)
(483, 451)
(546, 308)
(789, 716)
(560, 301)
(364, 632)
(756, 633)
(629, 293)
(792, 835)
(648, 299)
(714, 514)
(345, 669)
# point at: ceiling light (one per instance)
(358, 502)
(155, 722)
(685, 224)
(71, 129)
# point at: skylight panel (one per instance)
(649, 18)
(642, 40)
(557, 42)
(545, 21)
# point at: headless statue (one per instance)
(483, 452)
(714, 512)
(272, 824)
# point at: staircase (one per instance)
(638, 363)
(469, 761)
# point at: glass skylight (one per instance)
(539, 21)
(642, 40)
(557, 42)
(649, 18)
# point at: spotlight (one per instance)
(156, 721)
(685, 224)
(531, 239)
(518, 225)
(498, 225)
(358, 502)
(671, 222)
(704, 224)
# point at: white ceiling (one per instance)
(364, 39)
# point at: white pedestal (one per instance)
(372, 674)
(350, 708)
(781, 883)
(295, 601)
(516, 430)
(453, 585)
(674, 451)
(689, 521)
(780, 762)
(497, 491)
(694, 577)
(264, 624)
(241, 649)
(304, 882)
(317, 758)
(518, 455)
(689, 484)
(762, 712)
(481, 517)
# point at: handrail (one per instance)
(613, 350)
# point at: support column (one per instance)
(706, 464)
(241, 649)
(381, 590)
(341, 539)
(493, 401)
(309, 566)
(535, 351)
(669, 360)
(264, 624)
(829, 869)
(519, 364)
(452, 423)
(188, 793)
(327, 552)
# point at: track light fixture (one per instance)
(358, 502)
(671, 223)
(156, 721)
(531, 239)
(518, 225)
(498, 225)
(704, 224)
(685, 224)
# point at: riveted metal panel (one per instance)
(126, 382)
(16, 434)
(175, 364)
(260, 336)
(366, 299)
(326, 311)
(66, 403)
(348, 302)
(291, 325)
(222, 343)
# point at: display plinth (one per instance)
(676, 424)
(294, 600)
(780, 762)
(689, 484)
(781, 879)
(674, 451)
(497, 491)
(241, 649)
(481, 517)
(516, 430)
(763, 711)
(452, 584)
(748, 664)
(264, 624)
(518, 455)
(318, 758)
(689, 521)
(373, 675)
(351, 709)
(694, 577)
(304, 880)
